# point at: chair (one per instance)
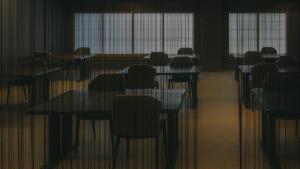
(137, 117)
(185, 51)
(181, 63)
(268, 50)
(258, 73)
(281, 82)
(83, 51)
(252, 58)
(286, 61)
(141, 76)
(104, 82)
(158, 59)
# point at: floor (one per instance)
(208, 135)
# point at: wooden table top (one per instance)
(100, 101)
(30, 72)
(280, 103)
(265, 56)
(71, 56)
(246, 69)
(170, 56)
(167, 70)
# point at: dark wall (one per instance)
(293, 36)
(29, 25)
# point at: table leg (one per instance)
(246, 89)
(274, 163)
(32, 89)
(172, 128)
(194, 91)
(59, 138)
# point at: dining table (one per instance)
(33, 75)
(245, 79)
(61, 108)
(193, 72)
(275, 105)
(81, 62)
(195, 58)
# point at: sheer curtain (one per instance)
(253, 31)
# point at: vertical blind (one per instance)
(252, 31)
(124, 33)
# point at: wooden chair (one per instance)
(268, 50)
(158, 59)
(258, 74)
(83, 51)
(181, 63)
(252, 58)
(137, 117)
(280, 82)
(185, 51)
(141, 77)
(286, 61)
(104, 82)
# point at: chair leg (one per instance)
(111, 138)
(8, 94)
(24, 92)
(165, 141)
(296, 130)
(127, 148)
(190, 89)
(94, 128)
(157, 152)
(115, 153)
(77, 132)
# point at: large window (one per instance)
(147, 32)
(178, 31)
(252, 31)
(133, 32)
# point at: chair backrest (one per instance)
(39, 57)
(268, 50)
(107, 82)
(140, 77)
(41, 54)
(135, 116)
(252, 58)
(285, 61)
(185, 51)
(280, 82)
(259, 72)
(181, 62)
(158, 59)
(83, 51)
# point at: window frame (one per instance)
(258, 32)
(132, 27)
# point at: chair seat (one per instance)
(162, 124)
(93, 115)
(19, 82)
(178, 78)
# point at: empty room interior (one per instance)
(160, 84)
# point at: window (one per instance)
(117, 33)
(88, 28)
(147, 32)
(252, 31)
(178, 31)
(133, 32)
